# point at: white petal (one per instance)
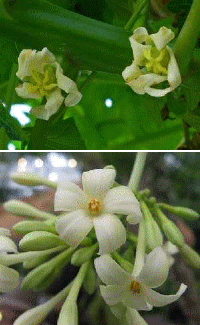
(174, 77)
(136, 301)
(159, 300)
(119, 310)
(121, 200)
(112, 294)
(97, 182)
(7, 245)
(73, 98)
(155, 269)
(23, 63)
(74, 227)
(170, 248)
(110, 272)
(110, 233)
(65, 83)
(157, 92)
(24, 91)
(134, 318)
(162, 37)
(40, 58)
(5, 232)
(142, 84)
(131, 72)
(9, 279)
(68, 197)
(138, 50)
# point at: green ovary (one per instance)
(156, 61)
(44, 83)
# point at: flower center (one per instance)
(94, 206)
(44, 83)
(156, 61)
(135, 287)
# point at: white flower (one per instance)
(43, 77)
(95, 206)
(9, 279)
(136, 292)
(170, 249)
(6, 244)
(154, 62)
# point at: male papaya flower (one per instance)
(95, 206)
(154, 62)
(42, 78)
(136, 292)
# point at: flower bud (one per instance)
(19, 208)
(69, 313)
(30, 264)
(9, 279)
(182, 212)
(24, 227)
(191, 257)
(90, 280)
(83, 254)
(40, 240)
(31, 179)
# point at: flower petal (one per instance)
(9, 279)
(110, 272)
(7, 245)
(5, 232)
(134, 318)
(110, 233)
(131, 72)
(68, 197)
(27, 90)
(73, 98)
(142, 84)
(65, 83)
(136, 301)
(159, 300)
(138, 50)
(112, 294)
(23, 63)
(162, 37)
(121, 200)
(74, 227)
(155, 269)
(119, 310)
(97, 182)
(174, 77)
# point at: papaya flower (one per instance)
(95, 206)
(43, 78)
(136, 292)
(154, 62)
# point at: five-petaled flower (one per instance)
(96, 206)
(154, 62)
(135, 291)
(42, 78)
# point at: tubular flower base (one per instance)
(96, 206)
(43, 77)
(154, 62)
(136, 292)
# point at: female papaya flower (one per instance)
(95, 206)
(42, 78)
(154, 62)
(136, 292)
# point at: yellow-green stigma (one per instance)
(156, 61)
(94, 207)
(135, 287)
(44, 83)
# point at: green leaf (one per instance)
(193, 119)
(4, 139)
(10, 124)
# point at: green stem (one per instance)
(138, 8)
(11, 86)
(188, 37)
(140, 251)
(137, 171)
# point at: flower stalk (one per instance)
(137, 171)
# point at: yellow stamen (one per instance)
(135, 287)
(94, 206)
(44, 83)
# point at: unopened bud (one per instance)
(83, 254)
(90, 280)
(31, 179)
(69, 313)
(30, 264)
(9, 279)
(182, 212)
(191, 257)
(40, 240)
(24, 227)
(22, 209)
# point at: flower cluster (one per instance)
(42, 78)
(154, 62)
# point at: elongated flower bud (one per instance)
(83, 254)
(30, 264)
(68, 314)
(40, 240)
(90, 282)
(24, 227)
(182, 212)
(31, 179)
(192, 258)
(9, 279)
(19, 208)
